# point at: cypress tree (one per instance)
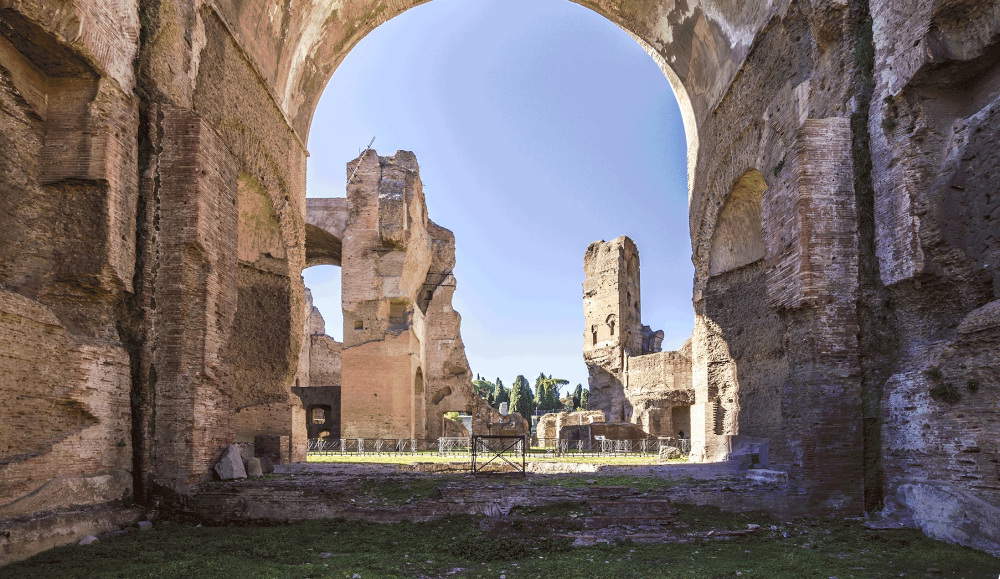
(577, 396)
(500, 394)
(520, 398)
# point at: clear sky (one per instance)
(539, 127)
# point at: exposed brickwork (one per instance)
(153, 229)
(629, 381)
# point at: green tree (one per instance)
(547, 393)
(577, 396)
(500, 394)
(484, 388)
(585, 399)
(520, 398)
(541, 392)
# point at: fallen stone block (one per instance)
(230, 466)
(670, 452)
(254, 468)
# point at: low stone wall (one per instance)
(25, 537)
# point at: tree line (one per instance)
(526, 401)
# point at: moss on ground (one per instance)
(459, 547)
(397, 492)
(569, 509)
(639, 483)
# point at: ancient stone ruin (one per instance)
(153, 229)
(631, 380)
(550, 425)
(402, 364)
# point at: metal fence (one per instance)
(331, 446)
(462, 446)
(497, 454)
(609, 447)
(454, 445)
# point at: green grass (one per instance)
(639, 483)
(397, 492)
(815, 548)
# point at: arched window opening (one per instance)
(345, 121)
(326, 313)
(418, 382)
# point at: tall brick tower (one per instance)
(613, 327)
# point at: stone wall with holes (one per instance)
(612, 322)
(403, 359)
(68, 200)
(630, 380)
(152, 236)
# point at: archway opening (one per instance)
(528, 151)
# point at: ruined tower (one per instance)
(631, 380)
(403, 363)
(613, 327)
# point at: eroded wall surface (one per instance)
(934, 123)
(403, 359)
(630, 379)
(68, 200)
(152, 234)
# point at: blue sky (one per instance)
(539, 127)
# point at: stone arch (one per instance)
(700, 47)
(738, 238)
(326, 219)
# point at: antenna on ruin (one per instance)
(363, 153)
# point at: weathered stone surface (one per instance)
(153, 229)
(670, 452)
(630, 378)
(230, 466)
(253, 468)
(550, 424)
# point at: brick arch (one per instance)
(325, 222)
(298, 45)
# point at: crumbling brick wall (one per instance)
(628, 380)
(865, 335)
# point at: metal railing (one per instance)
(462, 446)
(331, 446)
(610, 447)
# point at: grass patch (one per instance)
(820, 548)
(639, 483)
(398, 492)
(572, 510)
(705, 518)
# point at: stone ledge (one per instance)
(764, 475)
(25, 537)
